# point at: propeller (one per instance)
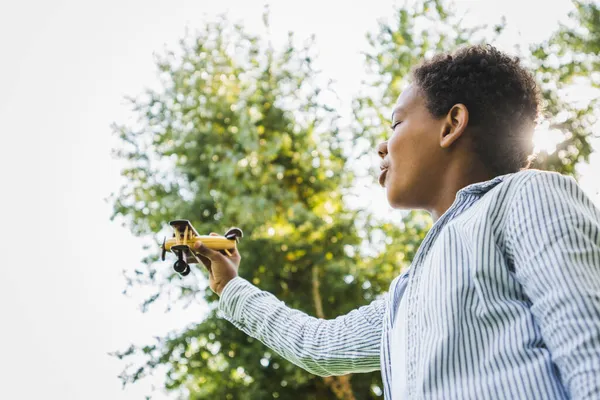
(164, 249)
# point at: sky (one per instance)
(66, 67)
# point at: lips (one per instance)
(382, 177)
(385, 164)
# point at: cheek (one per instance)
(399, 155)
(394, 147)
(411, 146)
(406, 152)
(400, 148)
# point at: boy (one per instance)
(502, 300)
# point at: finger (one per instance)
(200, 248)
(207, 263)
(234, 254)
(214, 234)
(234, 251)
(230, 251)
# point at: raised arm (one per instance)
(346, 344)
(554, 236)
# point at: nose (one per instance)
(382, 149)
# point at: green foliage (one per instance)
(239, 135)
(574, 50)
(567, 65)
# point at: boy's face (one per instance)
(412, 158)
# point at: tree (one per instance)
(239, 135)
(571, 55)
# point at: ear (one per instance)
(454, 125)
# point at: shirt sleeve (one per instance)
(347, 344)
(554, 238)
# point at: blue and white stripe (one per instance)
(503, 301)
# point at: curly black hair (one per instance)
(501, 96)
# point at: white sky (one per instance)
(65, 68)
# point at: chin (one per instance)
(393, 199)
(397, 198)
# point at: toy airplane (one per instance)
(184, 238)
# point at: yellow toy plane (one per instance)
(184, 238)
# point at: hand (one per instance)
(221, 268)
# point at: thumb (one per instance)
(199, 247)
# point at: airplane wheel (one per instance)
(186, 271)
(180, 266)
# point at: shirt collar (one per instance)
(481, 188)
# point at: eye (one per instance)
(393, 127)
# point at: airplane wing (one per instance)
(184, 234)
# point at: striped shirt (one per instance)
(502, 301)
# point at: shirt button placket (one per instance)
(412, 292)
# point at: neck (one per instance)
(454, 178)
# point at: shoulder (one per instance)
(547, 195)
(525, 188)
(532, 177)
(542, 186)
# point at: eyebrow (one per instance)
(397, 109)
